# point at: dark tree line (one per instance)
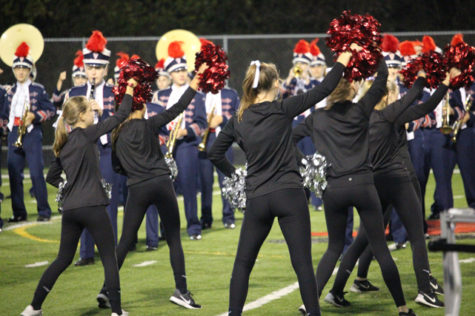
(147, 17)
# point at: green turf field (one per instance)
(145, 290)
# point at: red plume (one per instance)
(390, 43)
(205, 42)
(428, 44)
(175, 50)
(457, 39)
(122, 60)
(135, 57)
(22, 50)
(302, 47)
(160, 64)
(416, 43)
(314, 50)
(97, 42)
(406, 48)
(78, 61)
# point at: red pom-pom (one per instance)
(122, 60)
(302, 47)
(22, 50)
(205, 42)
(97, 42)
(406, 48)
(390, 43)
(160, 64)
(432, 63)
(363, 30)
(314, 50)
(175, 50)
(428, 44)
(78, 61)
(144, 74)
(214, 78)
(461, 56)
(457, 39)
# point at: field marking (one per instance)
(227, 254)
(36, 264)
(269, 298)
(469, 260)
(144, 264)
(23, 233)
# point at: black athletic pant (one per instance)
(160, 192)
(98, 223)
(358, 191)
(291, 209)
(400, 193)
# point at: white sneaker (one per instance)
(303, 310)
(30, 311)
(196, 237)
(124, 313)
(229, 225)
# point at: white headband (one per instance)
(257, 75)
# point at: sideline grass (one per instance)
(146, 290)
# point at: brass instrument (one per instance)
(202, 145)
(172, 138)
(17, 34)
(446, 129)
(22, 125)
(458, 124)
(297, 71)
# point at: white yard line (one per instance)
(144, 264)
(36, 264)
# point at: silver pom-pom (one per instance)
(233, 188)
(314, 173)
(107, 188)
(171, 163)
(60, 196)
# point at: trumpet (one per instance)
(173, 135)
(458, 124)
(202, 145)
(22, 125)
(446, 129)
(297, 71)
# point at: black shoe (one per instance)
(429, 299)
(16, 219)
(336, 300)
(186, 300)
(133, 247)
(151, 248)
(205, 225)
(435, 286)
(103, 300)
(410, 312)
(84, 262)
(434, 216)
(361, 286)
(42, 218)
(1, 224)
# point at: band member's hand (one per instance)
(444, 110)
(1, 71)
(196, 79)
(466, 118)
(182, 132)
(95, 107)
(290, 76)
(62, 75)
(111, 81)
(216, 121)
(421, 73)
(30, 116)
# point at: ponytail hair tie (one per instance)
(257, 63)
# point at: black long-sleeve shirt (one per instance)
(137, 146)
(341, 132)
(265, 136)
(79, 158)
(387, 135)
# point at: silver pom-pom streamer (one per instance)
(233, 189)
(171, 163)
(60, 196)
(314, 173)
(107, 188)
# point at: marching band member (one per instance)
(189, 135)
(84, 198)
(262, 128)
(2, 131)
(26, 93)
(79, 78)
(96, 60)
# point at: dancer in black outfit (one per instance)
(393, 180)
(84, 197)
(340, 133)
(262, 128)
(135, 144)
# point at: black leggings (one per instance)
(291, 209)
(358, 191)
(401, 194)
(97, 222)
(158, 191)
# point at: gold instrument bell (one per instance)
(191, 45)
(17, 34)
